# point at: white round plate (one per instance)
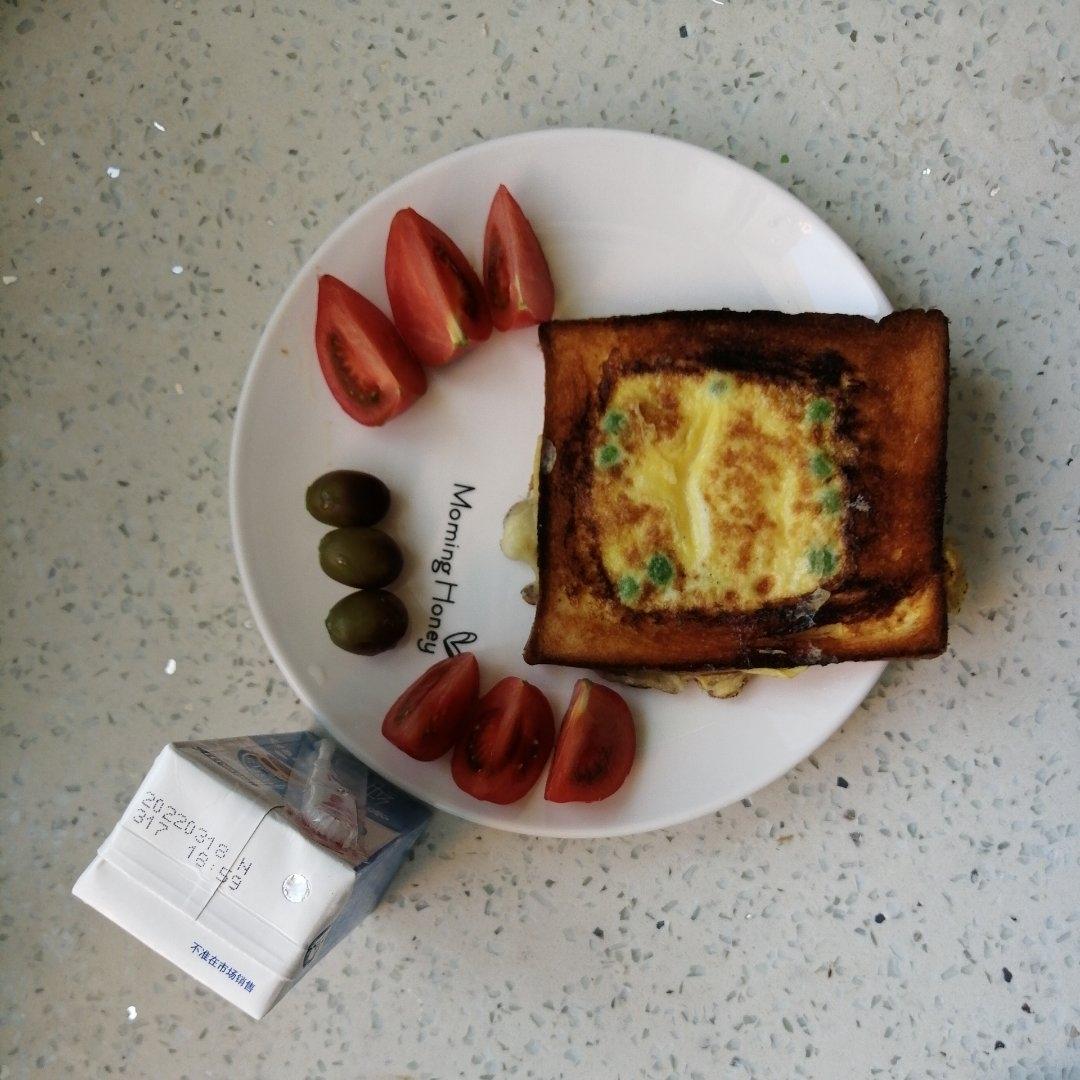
(630, 223)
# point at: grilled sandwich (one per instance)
(724, 491)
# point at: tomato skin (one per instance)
(504, 748)
(516, 275)
(596, 746)
(439, 305)
(428, 717)
(365, 363)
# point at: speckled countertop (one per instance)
(906, 903)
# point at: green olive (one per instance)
(361, 557)
(345, 497)
(367, 622)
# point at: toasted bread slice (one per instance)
(726, 490)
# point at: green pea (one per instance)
(629, 587)
(830, 500)
(660, 570)
(822, 561)
(819, 410)
(614, 422)
(821, 465)
(718, 387)
(607, 455)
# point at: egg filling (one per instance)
(717, 490)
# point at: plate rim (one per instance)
(482, 816)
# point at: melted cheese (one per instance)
(712, 490)
(956, 584)
(519, 532)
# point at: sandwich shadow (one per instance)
(975, 481)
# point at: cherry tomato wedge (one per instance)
(438, 302)
(363, 359)
(596, 746)
(427, 719)
(504, 748)
(516, 275)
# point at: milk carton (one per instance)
(244, 860)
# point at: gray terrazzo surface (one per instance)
(906, 903)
